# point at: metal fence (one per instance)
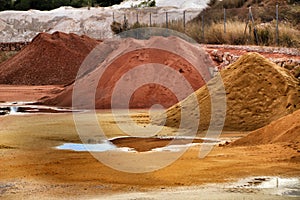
(251, 18)
(153, 17)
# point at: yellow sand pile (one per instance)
(257, 93)
(285, 129)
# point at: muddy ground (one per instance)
(11, 93)
(31, 168)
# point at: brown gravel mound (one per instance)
(126, 54)
(257, 93)
(285, 129)
(148, 144)
(48, 60)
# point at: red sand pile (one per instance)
(48, 60)
(126, 54)
(285, 129)
(257, 93)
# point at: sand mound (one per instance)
(285, 129)
(48, 60)
(118, 57)
(257, 93)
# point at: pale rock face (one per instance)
(23, 26)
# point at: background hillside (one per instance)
(52, 4)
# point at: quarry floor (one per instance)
(31, 168)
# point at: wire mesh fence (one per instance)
(253, 25)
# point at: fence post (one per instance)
(137, 17)
(202, 26)
(184, 20)
(224, 20)
(125, 25)
(150, 19)
(277, 31)
(167, 20)
(254, 28)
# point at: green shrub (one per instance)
(5, 55)
(147, 3)
(265, 35)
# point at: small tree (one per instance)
(23, 4)
(116, 27)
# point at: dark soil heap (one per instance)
(257, 93)
(48, 60)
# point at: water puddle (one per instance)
(273, 185)
(174, 148)
(135, 144)
(20, 108)
(101, 147)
